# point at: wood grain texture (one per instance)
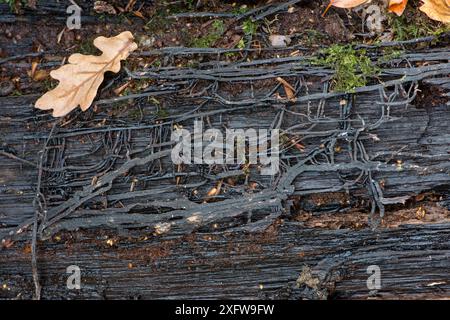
(140, 228)
(414, 262)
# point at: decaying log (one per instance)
(414, 263)
(364, 180)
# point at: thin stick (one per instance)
(37, 209)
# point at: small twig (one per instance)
(37, 209)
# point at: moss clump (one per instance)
(390, 53)
(207, 41)
(352, 67)
(404, 28)
(249, 27)
(240, 10)
(190, 4)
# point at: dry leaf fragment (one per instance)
(40, 75)
(35, 74)
(215, 190)
(397, 6)
(59, 36)
(139, 14)
(437, 9)
(120, 89)
(80, 79)
(130, 5)
(347, 4)
(34, 65)
(290, 91)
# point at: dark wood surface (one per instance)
(115, 207)
(414, 263)
(234, 263)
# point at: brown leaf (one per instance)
(397, 6)
(80, 79)
(130, 5)
(34, 65)
(139, 14)
(40, 75)
(120, 89)
(290, 91)
(437, 9)
(215, 190)
(37, 75)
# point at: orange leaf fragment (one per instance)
(437, 10)
(139, 14)
(290, 91)
(347, 3)
(344, 4)
(397, 6)
(215, 190)
(40, 75)
(34, 65)
(80, 79)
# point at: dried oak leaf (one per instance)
(397, 6)
(437, 9)
(80, 79)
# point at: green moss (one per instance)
(14, 5)
(240, 10)
(11, 3)
(190, 4)
(241, 44)
(249, 27)
(404, 28)
(390, 53)
(157, 63)
(352, 67)
(16, 93)
(207, 41)
(313, 37)
(161, 113)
